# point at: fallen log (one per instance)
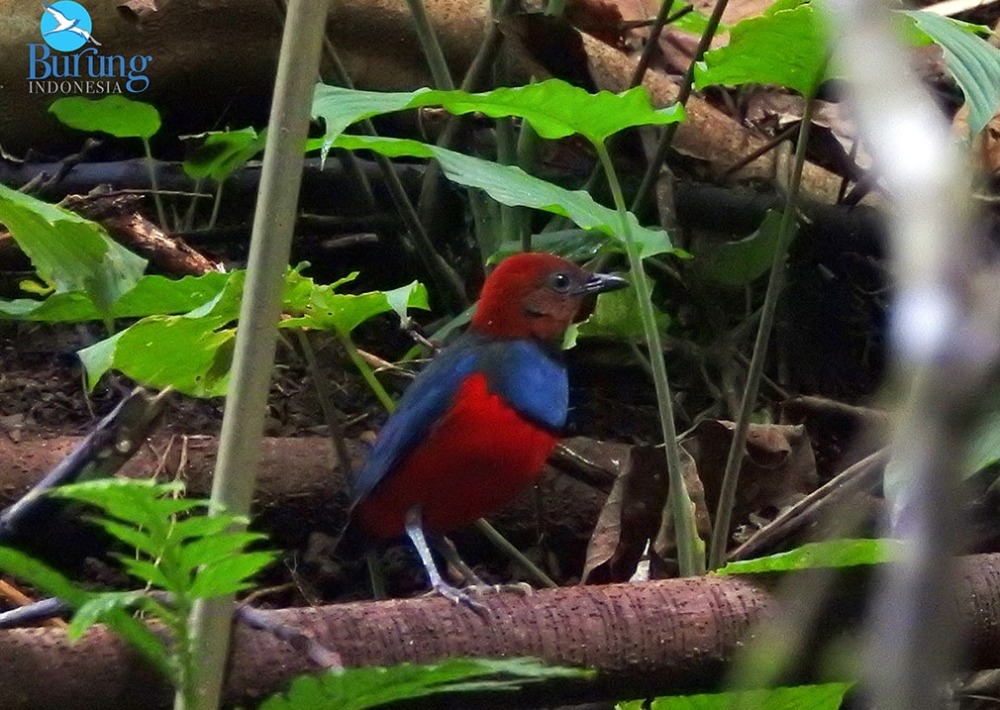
(666, 637)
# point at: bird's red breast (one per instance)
(478, 457)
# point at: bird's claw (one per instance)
(460, 597)
(522, 588)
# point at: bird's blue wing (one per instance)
(423, 404)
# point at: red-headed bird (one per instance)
(476, 426)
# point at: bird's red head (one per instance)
(536, 295)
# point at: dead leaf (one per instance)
(778, 468)
(633, 517)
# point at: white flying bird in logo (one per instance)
(66, 24)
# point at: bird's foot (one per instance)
(462, 597)
(521, 588)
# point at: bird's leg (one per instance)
(475, 584)
(415, 531)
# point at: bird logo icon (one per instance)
(65, 26)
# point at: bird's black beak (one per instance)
(599, 283)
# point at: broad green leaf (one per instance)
(554, 108)
(69, 252)
(742, 262)
(832, 553)
(231, 575)
(616, 315)
(192, 355)
(510, 185)
(360, 688)
(573, 244)
(402, 299)
(151, 295)
(973, 61)
(113, 114)
(222, 152)
(827, 696)
(320, 307)
(787, 48)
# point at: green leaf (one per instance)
(827, 696)
(512, 186)
(973, 61)
(616, 315)
(984, 449)
(572, 244)
(206, 525)
(322, 308)
(787, 48)
(130, 534)
(832, 553)
(114, 114)
(359, 688)
(151, 295)
(696, 23)
(192, 355)
(223, 152)
(216, 547)
(138, 501)
(69, 252)
(230, 575)
(742, 262)
(99, 607)
(26, 568)
(554, 108)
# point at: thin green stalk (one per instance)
(667, 137)
(256, 337)
(503, 544)
(216, 203)
(326, 403)
(690, 550)
(366, 372)
(154, 184)
(445, 277)
(775, 284)
(430, 45)
(652, 44)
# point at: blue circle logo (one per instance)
(66, 25)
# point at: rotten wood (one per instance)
(120, 215)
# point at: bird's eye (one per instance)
(560, 282)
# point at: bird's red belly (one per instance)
(475, 460)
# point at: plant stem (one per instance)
(243, 423)
(430, 45)
(775, 284)
(690, 550)
(366, 372)
(153, 183)
(653, 169)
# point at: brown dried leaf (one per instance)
(778, 469)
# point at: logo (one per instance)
(66, 26)
(69, 61)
